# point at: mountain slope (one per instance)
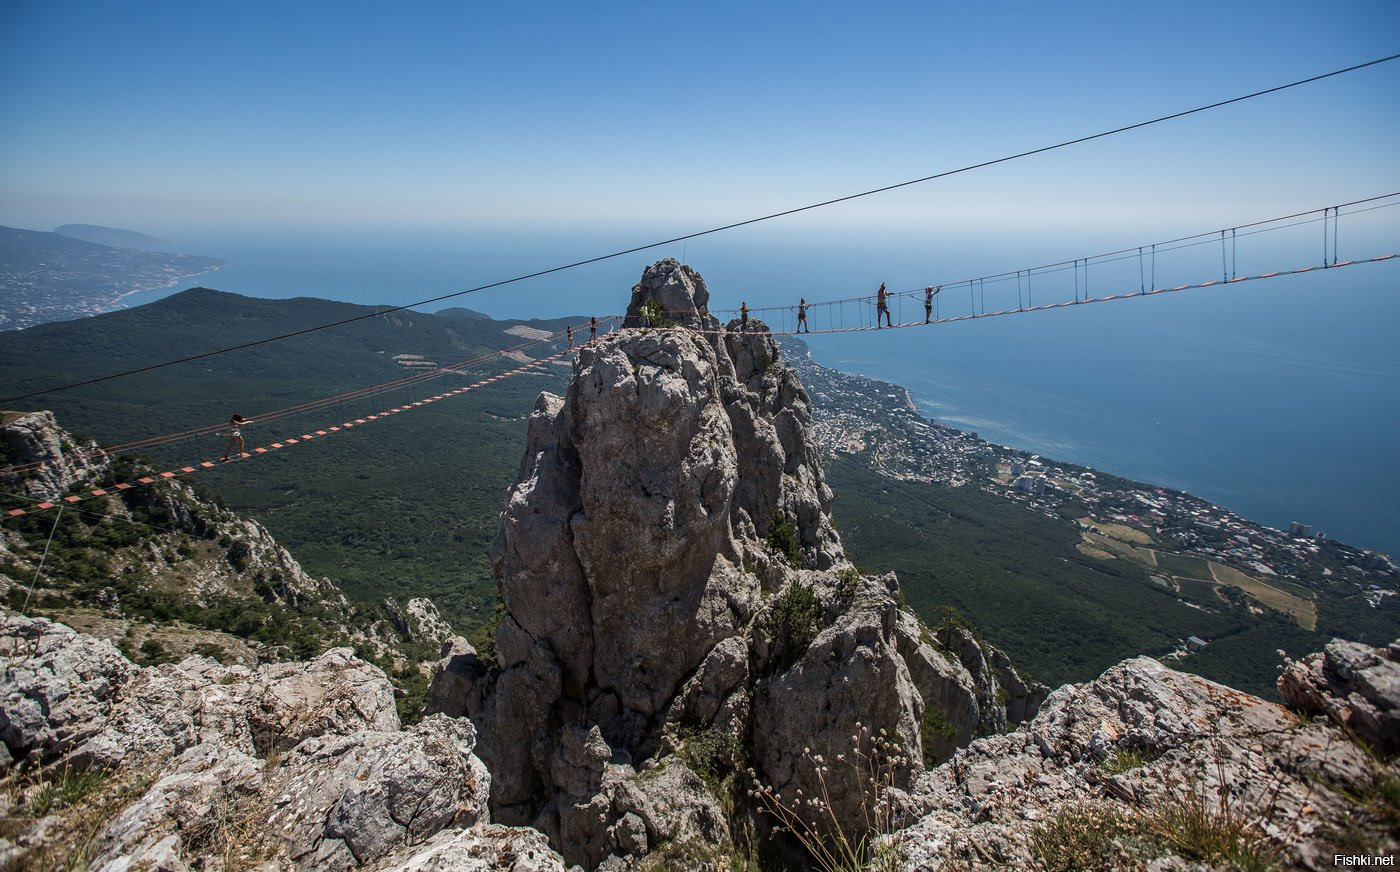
(110, 236)
(406, 507)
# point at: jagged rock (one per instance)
(78, 698)
(457, 681)
(659, 507)
(1200, 742)
(301, 764)
(54, 460)
(58, 687)
(479, 849)
(833, 704)
(678, 290)
(425, 623)
(1357, 686)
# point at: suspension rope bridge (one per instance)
(731, 226)
(1146, 255)
(330, 400)
(1329, 217)
(309, 436)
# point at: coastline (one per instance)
(116, 302)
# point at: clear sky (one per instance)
(628, 120)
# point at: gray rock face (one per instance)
(59, 462)
(664, 507)
(58, 687)
(677, 290)
(1355, 685)
(1195, 744)
(298, 765)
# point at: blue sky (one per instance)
(629, 120)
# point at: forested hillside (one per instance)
(405, 507)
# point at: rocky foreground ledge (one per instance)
(201, 766)
(195, 765)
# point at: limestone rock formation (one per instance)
(54, 461)
(1357, 686)
(297, 765)
(168, 543)
(1135, 767)
(671, 576)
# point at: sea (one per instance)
(1278, 399)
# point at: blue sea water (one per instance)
(1278, 399)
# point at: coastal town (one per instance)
(47, 277)
(878, 421)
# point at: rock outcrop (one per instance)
(166, 549)
(1355, 685)
(52, 460)
(300, 765)
(1144, 766)
(670, 571)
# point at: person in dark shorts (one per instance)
(802, 316)
(882, 306)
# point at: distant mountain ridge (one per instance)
(111, 236)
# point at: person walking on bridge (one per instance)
(569, 332)
(928, 301)
(802, 316)
(882, 306)
(235, 437)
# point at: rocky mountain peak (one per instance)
(678, 292)
(669, 568)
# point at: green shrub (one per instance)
(1083, 837)
(1212, 831)
(793, 621)
(935, 726)
(483, 639)
(68, 788)
(1123, 760)
(711, 755)
(658, 318)
(782, 538)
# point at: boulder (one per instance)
(1355, 685)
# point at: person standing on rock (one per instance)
(235, 437)
(592, 328)
(569, 332)
(744, 315)
(802, 316)
(882, 306)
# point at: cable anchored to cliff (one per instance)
(713, 230)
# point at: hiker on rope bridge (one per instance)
(928, 301)
(235, 436)
(882, 306)
(802, 316)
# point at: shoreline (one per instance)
(116, 302)
(977, 437)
